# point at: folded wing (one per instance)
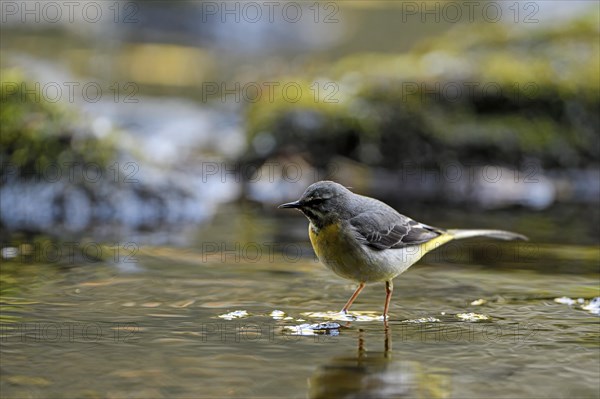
(380, 230)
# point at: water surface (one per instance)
(179, 323)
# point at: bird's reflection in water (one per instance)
(376, 375)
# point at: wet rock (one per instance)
(67, 169)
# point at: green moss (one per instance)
(35, 133)
(524, 92)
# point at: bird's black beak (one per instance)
(295, 204)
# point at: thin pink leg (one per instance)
(389, 288)
(353, 297)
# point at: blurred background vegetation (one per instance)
(141, 126)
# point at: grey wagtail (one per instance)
(367, 241)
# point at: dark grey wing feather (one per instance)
(382, 230)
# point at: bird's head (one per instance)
(322, 202)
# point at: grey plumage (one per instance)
(365, 240)
(376, 224)
(384, 230)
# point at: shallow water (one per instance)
(187, 323)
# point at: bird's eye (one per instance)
(315, 201)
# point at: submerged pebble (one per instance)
(277, 314)
(565, 300)
(593, 306)
(326, 328)
(423, 320)
(236, 314)
(472, 317)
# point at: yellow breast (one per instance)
(324, 240)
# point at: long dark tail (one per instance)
(499, 234)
